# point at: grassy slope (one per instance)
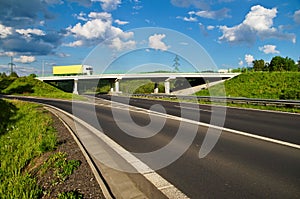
(33, 87)
(276, 85)
(28, 134)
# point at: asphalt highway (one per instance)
(237, 167)
(276, 125)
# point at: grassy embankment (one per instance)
(264, 85)
(26, 132)
(29, 86)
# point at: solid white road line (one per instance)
(210, 126)
(159, 182)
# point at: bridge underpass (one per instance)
(82, 83)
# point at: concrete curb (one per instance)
(105, 190)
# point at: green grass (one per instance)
(139, 86)
(70, 195)
(29, 86)
(28, 134)
(62, 168)
(265, 85)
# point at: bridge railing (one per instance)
(234, 100)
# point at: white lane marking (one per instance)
(159, 182)
(191, 108)
(217, 127)
(102, 185)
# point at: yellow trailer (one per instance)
(72, 70)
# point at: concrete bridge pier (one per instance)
(155, 88)
(75, 87)
(167, 87)
(117, 85)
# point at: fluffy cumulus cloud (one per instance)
(155, 42)
(249, 59)
(297, 16)
(109, 5)
(269, 49)
(24, 59)
(119, 45)
(28, 32)
(258, 23)
(99, 28)
(5, 31)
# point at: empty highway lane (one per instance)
(237, 167)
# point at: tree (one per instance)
(176, 63)
(32, 75)
(3, 75)
(290, 64)
(259, 65)
(282, 64)
(13, 74)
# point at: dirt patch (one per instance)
(82, 180)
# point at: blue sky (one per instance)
(63, 32)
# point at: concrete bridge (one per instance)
(155, 77)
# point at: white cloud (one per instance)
(210, 27)
(258, 23)
(119, 22)
(81, 16)
(249, 59)
(5, 31)
(190, 19)
(99, 28)
(74, 44)
(241, 63)
(109, 5)
(24, 59)
(8, 54)
(218, 14)
(297, 16)
(155, 42)
(28, 32)
(119, 45)
(42, 23)
(93, 29)
(100, 15)
(268, 49)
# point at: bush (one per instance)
(8, 110)
(5, 82)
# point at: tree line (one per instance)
(277, 63)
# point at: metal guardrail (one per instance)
(238, 100)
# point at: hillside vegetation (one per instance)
(25, 133)
(266, 85)
(30, 86)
